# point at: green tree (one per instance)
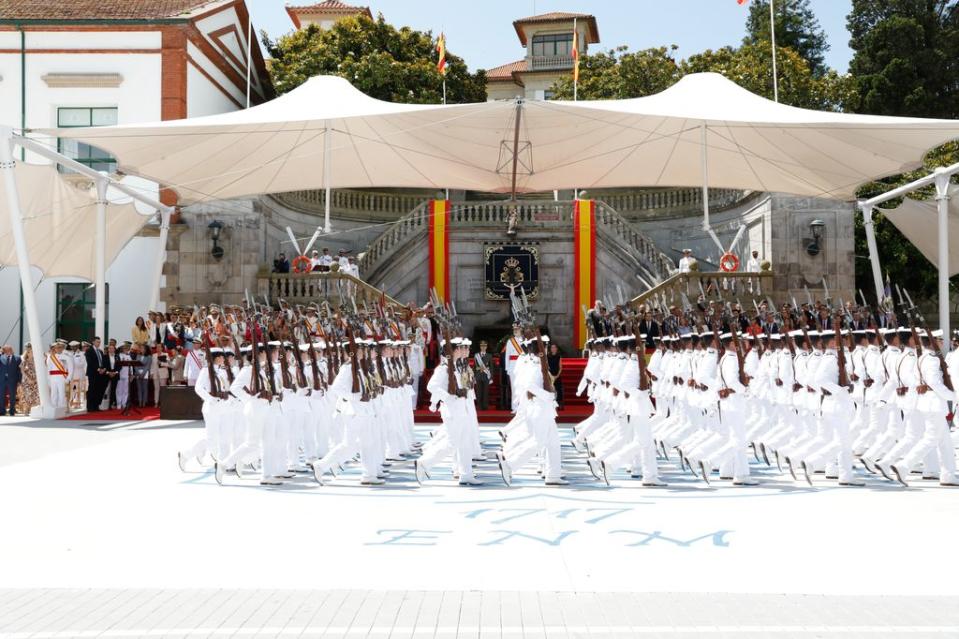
(797, 28)
(905, 63)
(397, 65)
(619, 73)
(749, 67)
(906, 56)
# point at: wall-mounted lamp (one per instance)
(216, 227)
(814, 245)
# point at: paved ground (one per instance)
(102, 535)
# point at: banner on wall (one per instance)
(584, 265)
(511, 266)
(439, 241)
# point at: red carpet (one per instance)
(576, 409)
(146, 414)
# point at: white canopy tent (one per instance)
(67, 228)
(59, 221)
(917, 221)
(747, 142)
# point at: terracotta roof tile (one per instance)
(98, 9)
(506, 71)
(592, 30)
(328, 6)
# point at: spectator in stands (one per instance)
(281, 264)
(140, 335)
(555, 362)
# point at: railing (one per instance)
(542, 214)
(660, 266)
(363, 202)
(545, 62)
(397, 235)
(301, 288)
(678, 200)
(715, 284)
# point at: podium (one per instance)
(180, 402)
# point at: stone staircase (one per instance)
(624, 237)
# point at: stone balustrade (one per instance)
(337, 288)
(676, 201)
(542, 214)
(363, 203)
(732, 285)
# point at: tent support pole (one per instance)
(8, 167)
(519, 116)
(161, 259)
(327, 170)
(100, 248)
(867, 211)
(705, 181)
(942, 200)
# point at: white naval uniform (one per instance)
(59, 372)
(454, 440)
(511, 354)
(195, 363)
(540, 436)
(932, 406)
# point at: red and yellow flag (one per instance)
(441, 50)
(584, 264)
(575, 53)
(439, 243)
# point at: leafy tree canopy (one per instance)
(397, 65)
(797, 28)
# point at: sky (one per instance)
(481, 31)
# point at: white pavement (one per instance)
(111, 512)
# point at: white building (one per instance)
(548, 39)
(101, 62)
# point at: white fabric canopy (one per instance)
(60, 224)
(919, 222)
(751, 143)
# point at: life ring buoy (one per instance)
(302, 264)
(729, 263)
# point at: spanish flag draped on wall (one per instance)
(584, 264)
(439, 239)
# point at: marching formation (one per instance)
(702, 390)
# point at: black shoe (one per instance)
(603, 472)
(899, 476)
(762, 449)
(805, 472)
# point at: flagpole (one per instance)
(249, 53)
(772, 36)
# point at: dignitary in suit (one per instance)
(96, 376)
(9, 380)
(483, 372)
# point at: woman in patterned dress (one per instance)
(27, 395)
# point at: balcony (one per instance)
(549, 63)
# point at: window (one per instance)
(96, 159)
(549, 94)
(75, 311)
(553, 44)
